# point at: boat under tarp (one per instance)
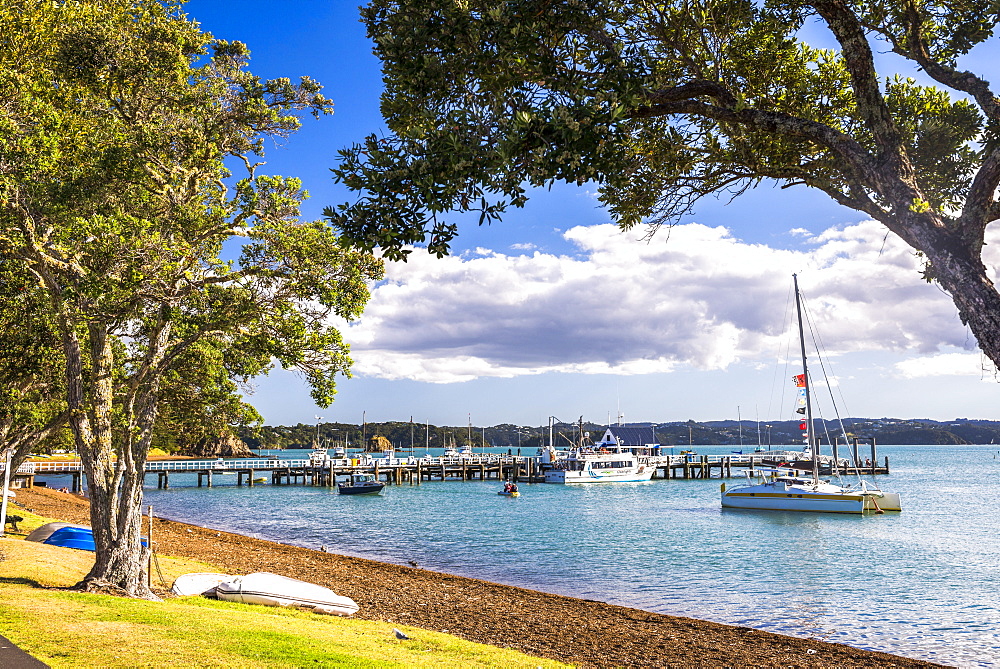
(66, 535)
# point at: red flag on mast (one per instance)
(800, 380)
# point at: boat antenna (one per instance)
(810, 437)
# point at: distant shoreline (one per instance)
(582, 632)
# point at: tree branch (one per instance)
(844, 147)
(980, 204)
(857, 55)
(915, 49)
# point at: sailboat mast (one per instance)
(810, 437)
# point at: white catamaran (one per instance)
(787, 490)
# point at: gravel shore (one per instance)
(581, 632)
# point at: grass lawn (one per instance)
(65, 628)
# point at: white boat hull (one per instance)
(639, 475)
(827, 499)
(200, 583)
(274, 590)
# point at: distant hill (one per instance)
(676, 433)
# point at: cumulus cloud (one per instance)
(947, 364)
(700, 298)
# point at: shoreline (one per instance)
(577, 631)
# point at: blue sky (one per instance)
(553, 312)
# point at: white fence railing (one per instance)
(52, 466)
(262, 464)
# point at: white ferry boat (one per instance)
(583, 466)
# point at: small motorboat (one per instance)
(361, 484)
(509, 490)
(274, 590)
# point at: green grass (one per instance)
(65, 628)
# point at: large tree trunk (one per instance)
(962, 274)
(115, 488)
(121, 563)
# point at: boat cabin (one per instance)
(638, 440)
(591, 462)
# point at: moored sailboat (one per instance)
(786, 490)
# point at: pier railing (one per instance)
(263, 464)
(668, 463)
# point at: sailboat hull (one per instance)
(783, 502)
(772, 497)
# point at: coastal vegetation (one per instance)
(661, 104)
(154, 278)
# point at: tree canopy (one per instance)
(662, 103)
(118, 121)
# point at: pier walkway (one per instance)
(415, 470)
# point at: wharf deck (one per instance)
(414, 470)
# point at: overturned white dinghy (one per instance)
(273, 590)
(199, 583)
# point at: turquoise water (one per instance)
(923, 583)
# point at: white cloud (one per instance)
(948, 364)
(524, 246)
(698, 298)
(799, 232)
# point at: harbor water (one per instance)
(924, 583)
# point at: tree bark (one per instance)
(115, 490)
(963, 276)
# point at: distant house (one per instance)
(631, 438)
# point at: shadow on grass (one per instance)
(20, 580)
(14, 580)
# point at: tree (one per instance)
(663, 103)
(201, 408)
(32, 390)
(118, 117)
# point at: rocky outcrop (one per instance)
(378, 444)
(226, 446)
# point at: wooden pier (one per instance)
(415, 471)
(729, 466)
